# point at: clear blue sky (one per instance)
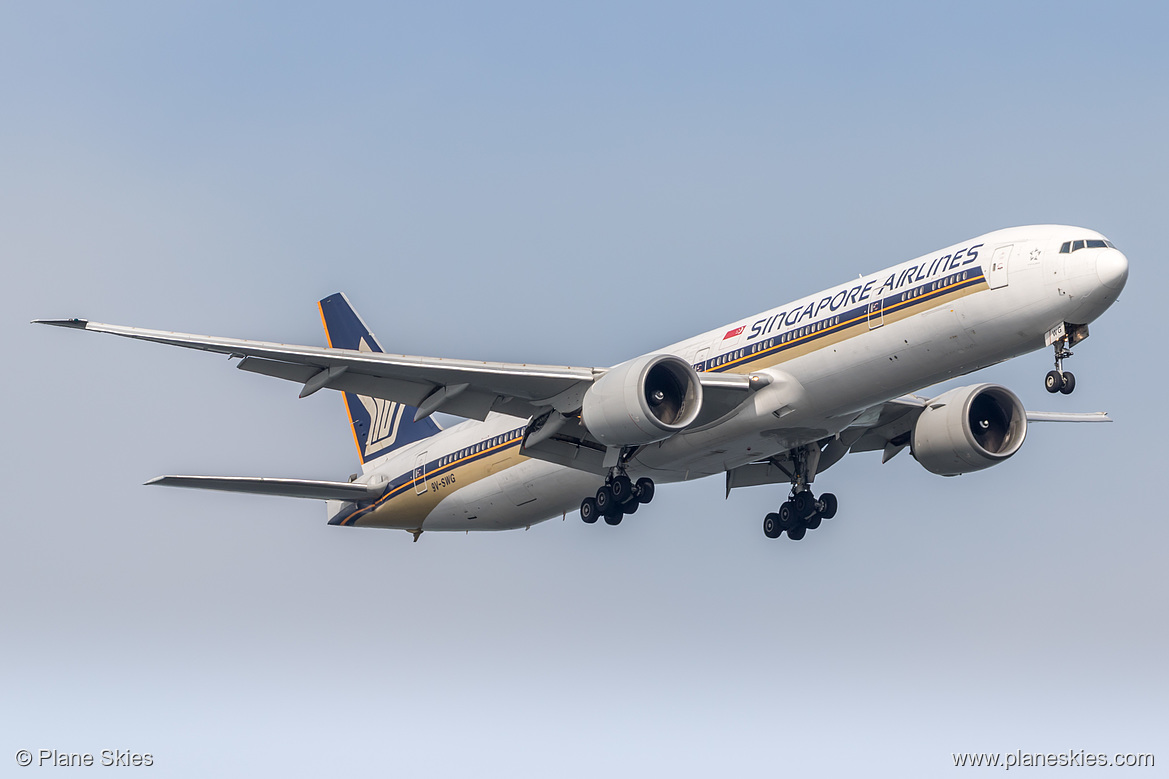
(540, 183)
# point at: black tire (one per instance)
(812, 522)
(1053, 381)
(771, 526)
(828, 505)
(645, 490)
(1069, 383)
(614, 517)
(605, 500)
(588, 510)
(622, 489)
(787, 515)
(804, 504)
(630, 507)
(797, 532)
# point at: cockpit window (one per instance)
(1094, 243)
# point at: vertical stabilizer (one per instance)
(379, 426)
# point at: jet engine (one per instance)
(968, 429)
(644, 400)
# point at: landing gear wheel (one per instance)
(645, 490)
(812, 522)
(797, 532)
(1069, 383)
(613, 517)
(828, 505)
(630, 507)
(588, 510)
(771, 526)
(787, 515)
(1053, 382)
(804, 503)
(622, 489)
(605, 501)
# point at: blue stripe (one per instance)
(852, 318)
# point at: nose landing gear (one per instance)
(1060, 380)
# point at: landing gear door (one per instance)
(996, 274)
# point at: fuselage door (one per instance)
(420, 474)
(996, 275)
(876, 313)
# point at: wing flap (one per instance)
(280, 370)
(288, 488)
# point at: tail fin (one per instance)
(379, 426)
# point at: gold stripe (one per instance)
(411, 514)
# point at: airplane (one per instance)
(773, 398)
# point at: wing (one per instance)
(886, 427)
(466, 388)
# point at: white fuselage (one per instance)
(829, 356)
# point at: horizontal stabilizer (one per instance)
(288, 488)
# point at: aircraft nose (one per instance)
(1112, 268)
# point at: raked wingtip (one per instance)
(78, 324)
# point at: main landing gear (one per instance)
(801, 513)
(1060, 380)
(619, 496)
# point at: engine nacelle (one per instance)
(642, 401)
(968, 429)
